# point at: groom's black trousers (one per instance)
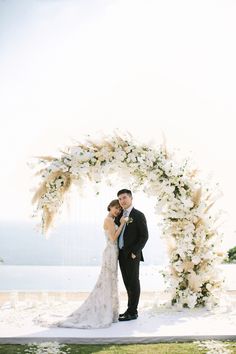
(130, 272)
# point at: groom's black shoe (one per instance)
(128, 317)
(123, 314)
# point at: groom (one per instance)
(131, 241)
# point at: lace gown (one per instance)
(101, 308)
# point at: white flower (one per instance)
(120, 155)
(192, 300)
(188, 203)
(178, 266)
(196, 260)
(128, 149)
(191, 229)
(195, 281)
(209, 286)
(131, 157)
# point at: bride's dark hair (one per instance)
(114, 202)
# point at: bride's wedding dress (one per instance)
(101, 308)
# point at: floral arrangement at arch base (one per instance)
(183, 204)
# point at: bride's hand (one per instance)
(122, 220)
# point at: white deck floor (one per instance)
(153, 325)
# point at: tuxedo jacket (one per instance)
(135, 234)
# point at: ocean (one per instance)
(70, 259)
(68, 245)
(83, 278)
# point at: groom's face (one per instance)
(125, 200)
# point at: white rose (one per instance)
(196, 260)
(192, 300)
(208, 286)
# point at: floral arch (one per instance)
(182, 202)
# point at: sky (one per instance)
(73, 68)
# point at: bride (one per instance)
(101, 308)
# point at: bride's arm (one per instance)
(109, 225)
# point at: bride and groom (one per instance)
(126, 234)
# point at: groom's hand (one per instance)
(133, 256)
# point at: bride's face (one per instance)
(115, 210)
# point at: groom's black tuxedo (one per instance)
(135, 236)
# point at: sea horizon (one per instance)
(68, 245)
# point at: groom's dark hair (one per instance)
(122, 191)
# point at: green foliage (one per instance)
(231, 255)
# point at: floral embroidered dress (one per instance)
(101, 308)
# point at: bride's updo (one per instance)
(114, 202)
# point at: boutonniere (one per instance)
(128, 220)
